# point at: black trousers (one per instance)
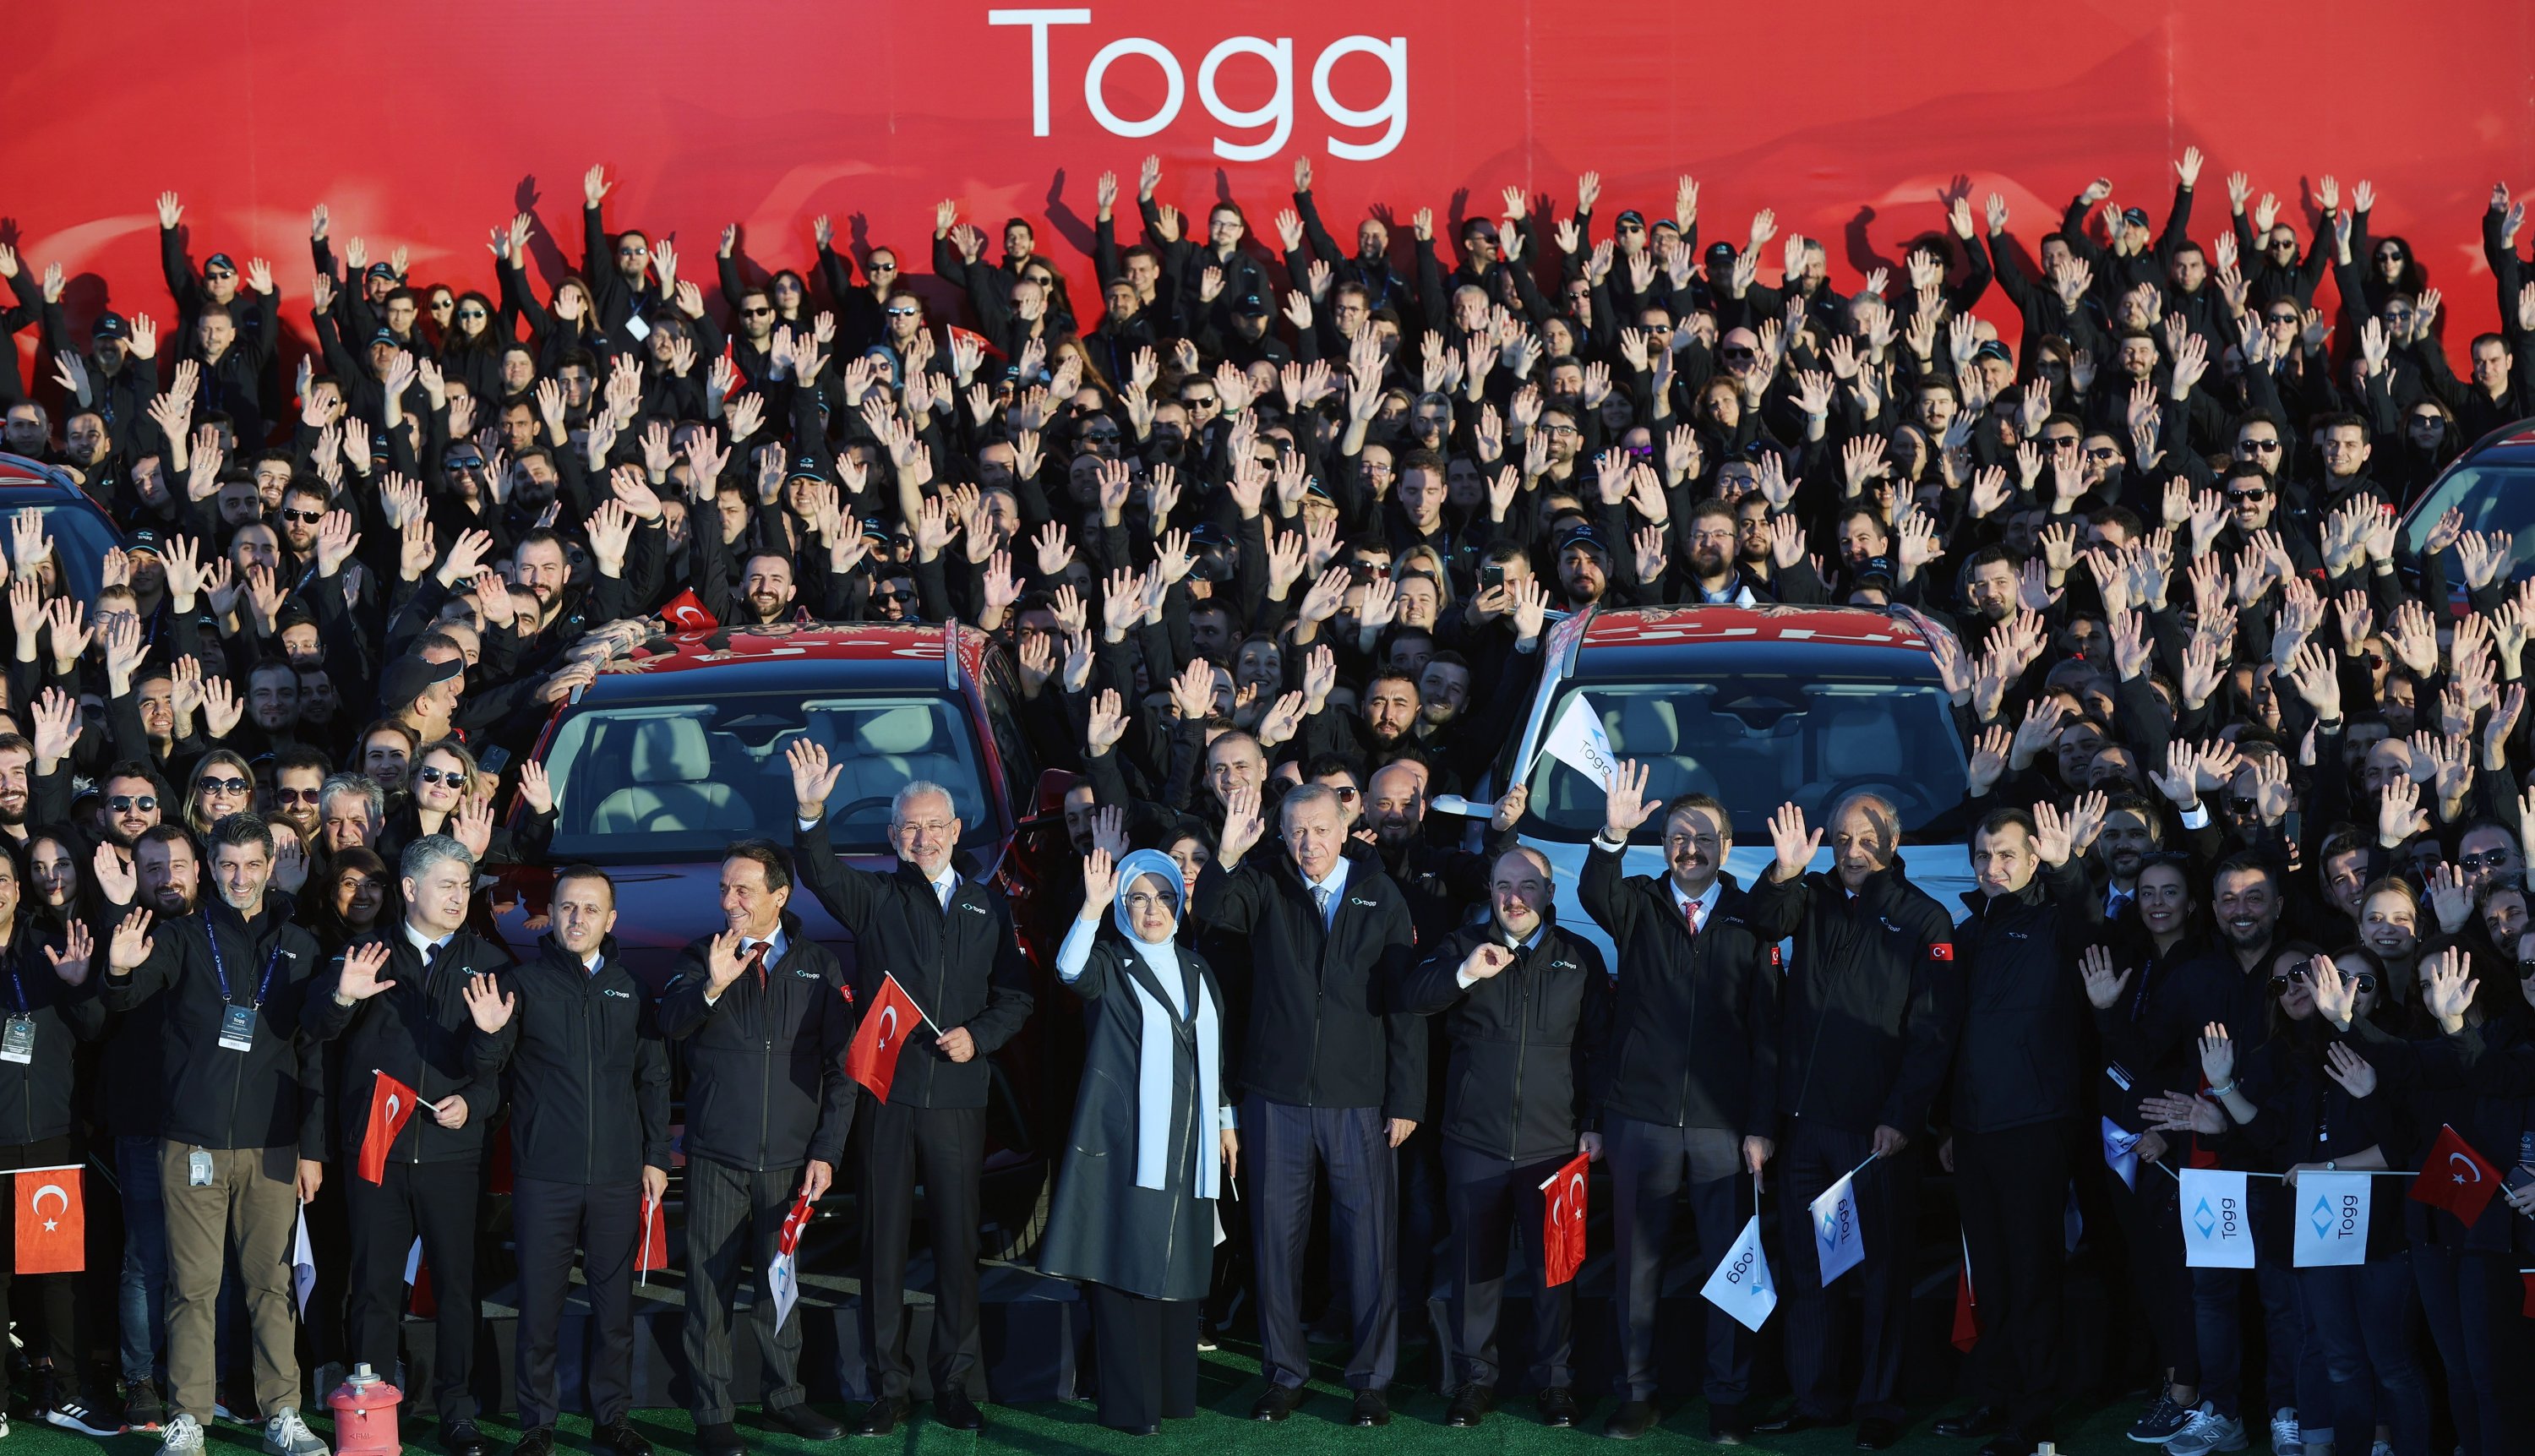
(948, 1146)
(733, 1214)
(1146, 1350)
(1283, 1146)
(1491, 1200)
(1650, 1164)
(549, 1221)
(54, 1293)
(1878, 1290)
(2151, 1225)
(438, 1201)
(2013, 1187)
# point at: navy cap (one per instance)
(386, 335)
(110, 324)
(1992, 349)
(1874, 571)
(1720, 254)
(1585, 535)
(381, 270)
(1251, 305)
(220, 259)
(2135, 216)
(1313, 487)
(1631, 215)
(144, 540)
(411, 676)
(806, 468)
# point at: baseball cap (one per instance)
(409, 678)
(144, 540)
(2135, 216)
(806, 468)
(1251, 305)
(220, 259)
(380, 269)
(1631, 215)
(1585, 535)
(1874, 571)
(386, 335)
(1480, 227)
(1721, 255)
(1992, 349)
(110, 324)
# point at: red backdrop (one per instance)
(425, 124)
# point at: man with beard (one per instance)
(1689, 1094)
(543, 564)
(1714, 574)
(293, 786)
(1583, 567)
(273, 703)
(1864, 1041)
(421, 689)
(763, 596)
(16, 765)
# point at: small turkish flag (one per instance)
(52, 1221)
(972, 336)
(783, 1272)
(1967, 1330)
(1562, 1228)
(2454, 1177)
(418, 1278)
(655, 1251)
(391, 1103)
(872, 1059)
(686, 613)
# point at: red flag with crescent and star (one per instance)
(1562, 1229)
(2454, 1177)
(52, 1221)
(872, 1059)
(391, 1103)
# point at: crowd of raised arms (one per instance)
(1272, 529)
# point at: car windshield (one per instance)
(666, 781)
(2489, 498)
(1755, 741)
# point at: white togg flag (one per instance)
(2332, 1219)
(1741, 1284)
(1577, 739)
(1836, 1237)
(2217, 1222)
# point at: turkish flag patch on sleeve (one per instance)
(1943, 950)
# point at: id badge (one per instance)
(238, 1027)
(17, 1040)
(197, 1168)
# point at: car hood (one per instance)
(1944, 870)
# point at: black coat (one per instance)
(35, 1095)
(766, 1073)
(1101, 1227)
(1522, 1040)
(1865, 1028)
(268, 1096)
(1327, 1026)
(962, 966)
(417, 1031)
(2020, 1044)
(1694, 1035)
(585, 1067)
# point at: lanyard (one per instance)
(212, 934)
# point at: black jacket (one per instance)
(1695, 1034)
(766, 1073)
(1522, 1040)
(587, 1074)
(35, 1095)
(1327, 1025)
(268, 1096)
(962, 966)
(1866, 1026)
(2021, 1043)
(417, 1031)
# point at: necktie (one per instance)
(757, 960)
(1690, 912)
(1321, 900)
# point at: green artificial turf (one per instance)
(1227, 1382)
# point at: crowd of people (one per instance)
(1273, 530)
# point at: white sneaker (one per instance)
(2287, 1437)
(2207, 1431)
(285, 1434)
(182, 1436)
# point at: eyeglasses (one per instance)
(295, 796)
(2060, 442)
(1561, 429)
(904, 313)
(2289, 319)
(2103, 453)
(2486, 860)
(221, 786)
(124, 804)
(884, 267)
(304, 518)
(441, 776)
(2243, 805)
(1344, 793)
(1737, 351)
(769, 312)
(2282, 245)
(2257, 493)
(1145, 900)
(473, 313)
(2390, 255)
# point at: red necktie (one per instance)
(1690, 912)
(757, 960)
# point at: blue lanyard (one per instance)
(211, 933)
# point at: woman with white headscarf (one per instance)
(1132, 1217)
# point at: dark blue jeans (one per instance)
(2290, 1377)
(2452, 1288)
(2361, 1316)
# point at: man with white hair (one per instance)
(949, 942)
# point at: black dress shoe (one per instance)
(1557, 1407)
(1278, 1404)
(805, 1423)
(1630, 1420)
(460, 1438)
(1978, 1421)
(882, 1416)
(1789, 1423)
(718, 1438)
(953, 1409)
(1372, 1408)
(1471, 1405)
(1875, 1434)
(536, 1441)
(620, 1436)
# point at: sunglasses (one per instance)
(903, 313)
(473, 313)
(294, 795)
(2060, 442)
(2243, 805)
(221, 786)
(304, 518)
(884, 267)
(2488, 859)
(2390, 256)
(769, 312)
(123, 803)
(441, 776)
(2289, 319)
(1344, 793)
(2103, 452)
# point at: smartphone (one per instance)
(1492, 576)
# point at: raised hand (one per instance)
(2103, 984)
(131, 944)
(813, 778)
(361, 967)
(489, 1005)
(1625, 802)
(70, 963)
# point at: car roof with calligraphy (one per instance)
(1833, 641)
(753, 660)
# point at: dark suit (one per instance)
(1333, 1052)
(962, 964)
